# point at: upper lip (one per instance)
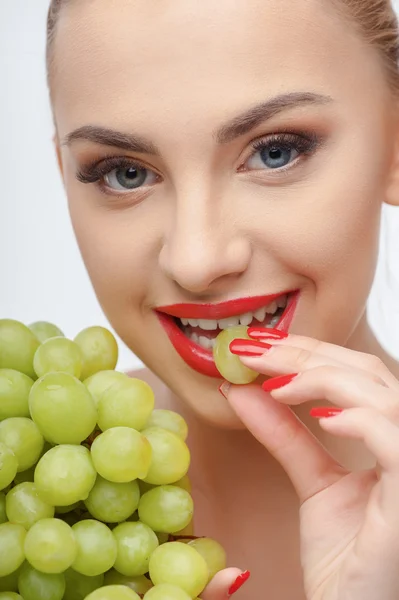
(220, 310)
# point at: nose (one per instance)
(201, 252)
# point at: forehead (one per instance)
(118, 57)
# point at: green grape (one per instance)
(8, 466)
(135, 543)
(58, 355)
(63, 510)
(79, 586)
(165, 591)
(23, 437)
(10, 596)
(12, 554)
(184, 483)
(25, 476)
(186, 532)
(44, 331)
(121, 454)
(100, 382)
(113, 502)
(50, 546)
(96, 548)
(14, 394)
(10, 582)
(139, 584)
(170, 420)
(212, 552)
(34, 585)
(65, 475)
(25, 507)
(62, 408)
(179, 564)
(229, 365)
(127, 403)
(113, 592)
(170, 456)
(99, 349)
(166, 509)
(17, 347)
(3, 514)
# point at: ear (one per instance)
(392, 190)
(57, 149)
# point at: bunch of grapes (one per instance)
(95, 499)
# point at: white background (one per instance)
(41, 273)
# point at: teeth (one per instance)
(282, 301)
(244, 319)
(229, 322)
(271, 309)
(205, 342)
(260, 315)
(207, 325)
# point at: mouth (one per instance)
(193, 328)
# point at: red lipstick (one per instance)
(198, 358)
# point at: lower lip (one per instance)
(200, 359)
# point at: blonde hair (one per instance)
(375, 21)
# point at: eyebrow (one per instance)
(235, 128)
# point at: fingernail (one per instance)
(239, 582)
(224, 389)
(248, 348)
(278, 382)
(265, 333)
(322, 412)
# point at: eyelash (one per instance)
(303, 142)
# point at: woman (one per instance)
(224, 163)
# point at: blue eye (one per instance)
(127, 178)
(119, 174)
(279, 151)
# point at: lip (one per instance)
(222, 310)
(194, 355)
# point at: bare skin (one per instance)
(211, 223)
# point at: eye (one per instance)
(118, 174)
(129, 178)
(279, 151)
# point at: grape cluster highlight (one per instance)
(95, 498)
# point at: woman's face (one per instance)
(214, 151)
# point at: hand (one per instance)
(225, 584)
(349, 522)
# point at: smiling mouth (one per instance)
(205, 331)
(193, 328)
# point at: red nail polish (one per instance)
(322, 412)
(264, 333)
(278, 382)
(224, 388)
(249, 347)
(239, 582)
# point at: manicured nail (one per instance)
(278, 382)
(265, 333)
(239, 582)
(249, 347)
(323, 412)
(224, 389)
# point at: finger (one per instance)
(341, 387)
(381, 437)
(307, 463)
(225, 584)
(281, 360)
(351, 358)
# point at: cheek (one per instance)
(119, 250)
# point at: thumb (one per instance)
(225, 584)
